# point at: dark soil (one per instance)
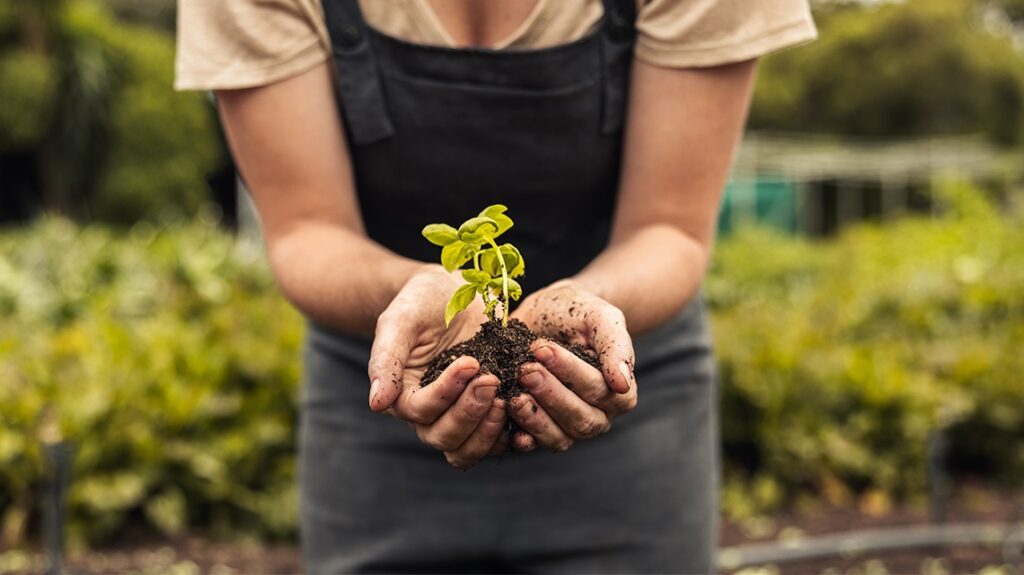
(501, 351)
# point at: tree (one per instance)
(915, 68)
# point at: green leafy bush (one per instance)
(839, 360)
(91, 101)
(172, 363)
(161, 143)
(900, 69)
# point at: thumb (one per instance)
(392, 345)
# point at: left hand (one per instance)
(568, 398)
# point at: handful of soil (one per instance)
(501, 351)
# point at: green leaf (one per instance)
(515, 291)
(476, 230)
(497, 213)
(476, 277)
(489, 264)
(513, 260)
(440, 234)
(460, 301)
(455, 254)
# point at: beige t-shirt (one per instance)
(224, 44)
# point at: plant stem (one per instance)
(476, 266)
(504, 283)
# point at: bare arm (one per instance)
(289, 145)
(288, 141)
(684, 125)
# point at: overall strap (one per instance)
(356, 76)
(617, 39)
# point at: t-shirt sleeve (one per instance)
(226, 44)
(698, 33)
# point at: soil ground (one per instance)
(196, 554)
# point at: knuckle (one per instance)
(414, 413)
(440, 442)
(468, 413)
(447, 442)
(458, 461)
(562, 445)
(589, 427)
(428, 438)
(474, 452)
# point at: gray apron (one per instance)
(436, 134)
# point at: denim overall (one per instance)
(435, 135)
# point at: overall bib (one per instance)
(435, 135)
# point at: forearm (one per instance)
(684, 125)
(650, 274)
(338, 277)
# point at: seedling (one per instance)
(494, 267)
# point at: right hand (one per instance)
(457, 413)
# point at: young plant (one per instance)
(494, 267)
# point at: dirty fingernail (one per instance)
(544, 354)
(465, 374)
(374, 389)
(626, 373)
(484, 393)
(531, 379)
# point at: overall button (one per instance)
(349, 36)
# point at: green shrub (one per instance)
(172, 363)
(840, 359)
(160, 143)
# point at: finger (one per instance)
(452, 429)
(539, 424)
(425, 404)
(577, 418)
(501, 445)
(583, 379)
(393, 341)
(524, 442)
(481, 440)
(610, 338)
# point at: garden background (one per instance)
(862, 341)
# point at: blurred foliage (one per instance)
(29, 86)
(901, 69)
(173, 364)
(92, 100)
(840, 359)
(1014, 9)
(162, 143)
(156, 13)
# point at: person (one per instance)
(607, 128)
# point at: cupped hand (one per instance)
(568, 399)
(457, 413)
